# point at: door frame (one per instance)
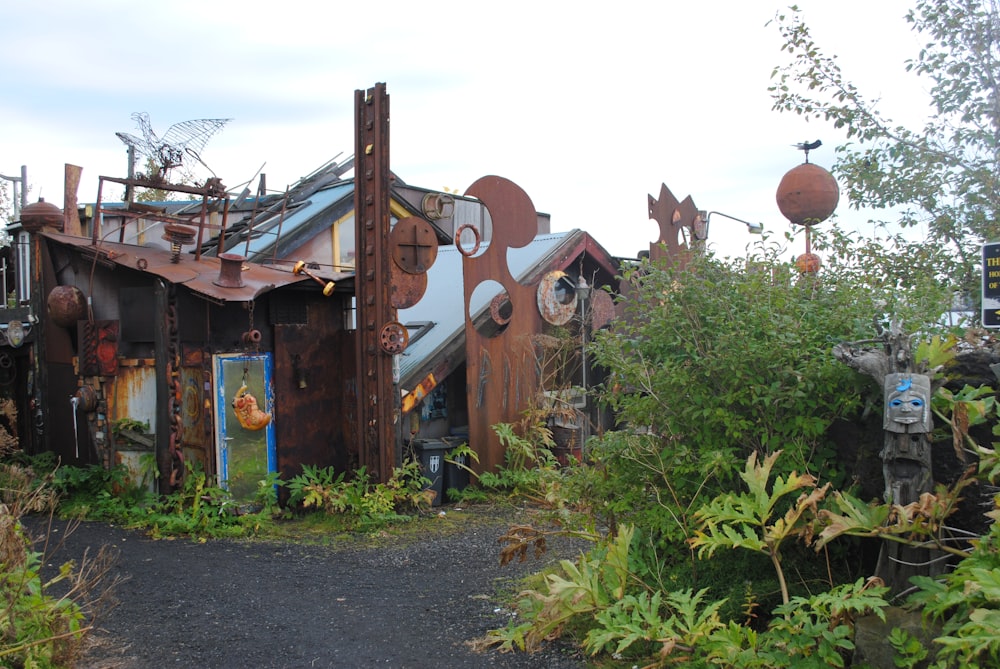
(225, 416)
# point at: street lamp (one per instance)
(582, 295)
(583, 291)
(702, 235)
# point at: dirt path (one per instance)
(238, 604)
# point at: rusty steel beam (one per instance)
(378, 400)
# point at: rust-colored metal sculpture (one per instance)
(407, 289)
(41, 214)
(301, 268)
(678, 222)
(500, 369)
(71, 184)
(378, 401)
(98, 347)
(230, 270)
(66, 305)
(556, 297)
(807, 195)
(413, 244)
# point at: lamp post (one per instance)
(583, 290)
(582, 295)
(702, 235)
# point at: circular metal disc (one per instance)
(601, 309)
(394, 337)
(414, 244)
(407, 289)
(556, 298)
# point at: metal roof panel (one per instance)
(199, 276)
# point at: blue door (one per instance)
(246, 455)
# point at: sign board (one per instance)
(991, 285)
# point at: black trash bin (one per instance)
(430, 453)
(456, 476)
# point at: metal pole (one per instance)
(20, 194)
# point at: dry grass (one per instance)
(86, 587)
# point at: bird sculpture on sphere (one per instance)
(180, 139)
(808, 146)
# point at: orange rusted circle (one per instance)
(808, 263)
(394, 337)
(497, 311)
(66, 305)
(807, 194)
(458, 240)
(556, 297)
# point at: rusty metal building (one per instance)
(148, 329)
(163, 339)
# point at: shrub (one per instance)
(39, 628)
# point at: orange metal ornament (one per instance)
(247, 412)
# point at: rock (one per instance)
(871, 638)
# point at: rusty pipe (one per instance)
(300, 268)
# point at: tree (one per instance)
(6, 206)
(944, 175)
(6, 214)
(719, 360)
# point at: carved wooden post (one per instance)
(906, 453)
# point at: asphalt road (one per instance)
(235, 604)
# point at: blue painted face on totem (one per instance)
(906, 407)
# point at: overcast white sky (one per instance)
(587, 106)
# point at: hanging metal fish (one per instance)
(247, 412)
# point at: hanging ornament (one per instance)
(247, 412)
(807, 196)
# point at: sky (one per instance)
(589, 107)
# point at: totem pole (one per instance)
(906, 450)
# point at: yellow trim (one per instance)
(395, 209)
(335, 233)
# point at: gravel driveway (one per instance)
(235, 604)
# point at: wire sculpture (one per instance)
(180, 139)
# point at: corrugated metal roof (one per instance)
(444, 302)
(197, 276)
(265, 235)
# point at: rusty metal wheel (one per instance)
(394, 337)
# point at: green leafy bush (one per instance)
(357, 498)
(37, 627)
(967, 603)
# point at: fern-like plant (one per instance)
(751, 520)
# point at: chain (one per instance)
(251, 341)
(176, 449)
